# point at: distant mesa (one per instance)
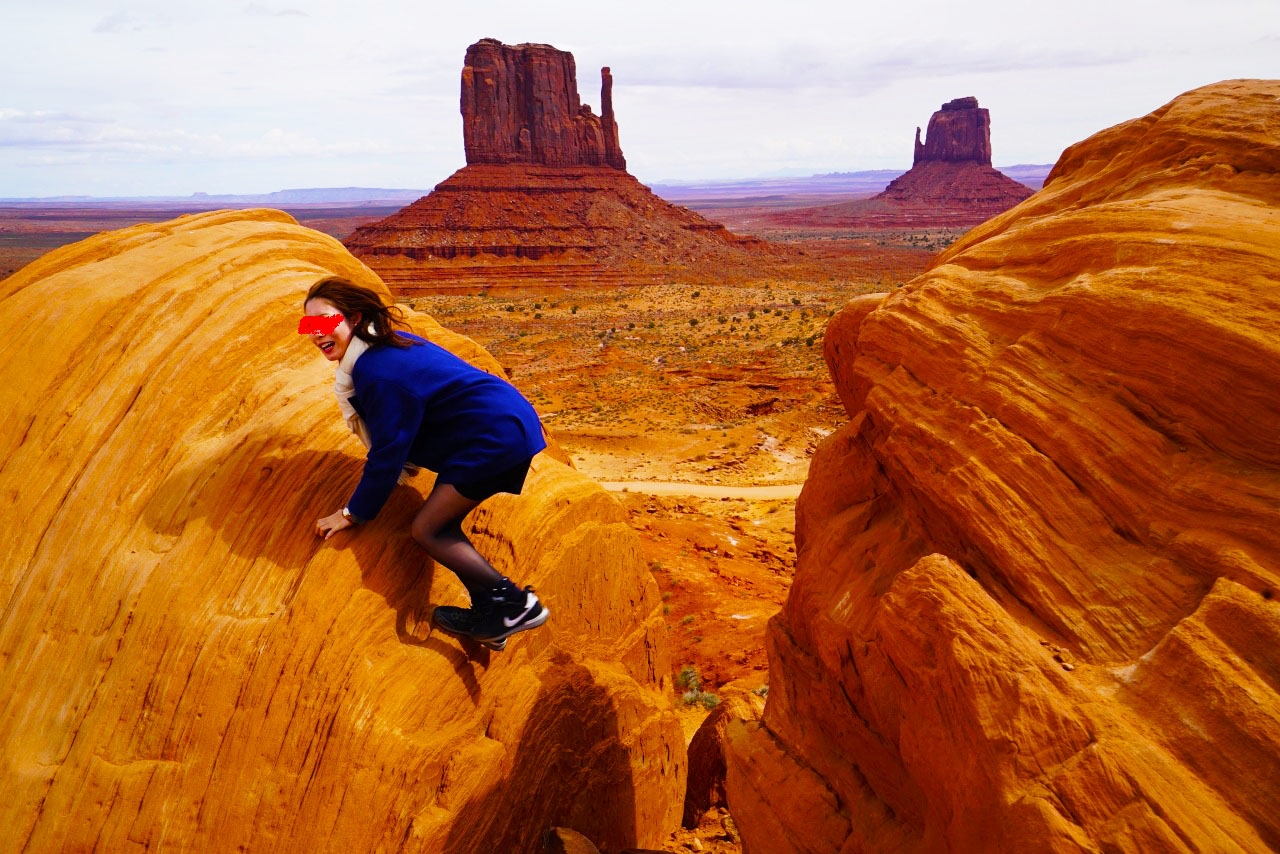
(545, 197)
(951, 182)
(952, 167)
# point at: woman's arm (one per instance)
(393, 415)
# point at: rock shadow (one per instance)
(263, 504)
(570, 770)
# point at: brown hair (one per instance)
(355, 301)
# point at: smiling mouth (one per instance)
(327, 347)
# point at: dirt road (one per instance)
(704, 490)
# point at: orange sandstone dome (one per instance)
(187, 667)
(1037, 604)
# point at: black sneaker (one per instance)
(511, 611)
(462, 621)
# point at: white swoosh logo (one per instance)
(529, 603)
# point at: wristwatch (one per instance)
(346, 514)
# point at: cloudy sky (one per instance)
(167, 97)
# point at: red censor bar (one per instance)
(322, 324)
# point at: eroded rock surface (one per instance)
(184, 665)
(1035, 605)
(705, 785)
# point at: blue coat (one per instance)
(424, 405)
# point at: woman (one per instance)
(413, 403)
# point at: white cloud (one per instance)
(799, 66)
(61, 138)
(120, 22)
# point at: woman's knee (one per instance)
(434, 536)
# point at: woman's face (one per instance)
(333, 345)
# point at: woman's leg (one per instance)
(438, 528)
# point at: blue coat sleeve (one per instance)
(393, 415)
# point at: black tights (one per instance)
(437, 527)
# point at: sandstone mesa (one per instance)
(185, 666)
(951, 181)
(1035, 602)
(545, 197)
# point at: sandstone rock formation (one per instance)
(951, 181)
(704, 788)
(958, 133)
(1035, 605)
(520, 105)
(185, 666)
(544, 199)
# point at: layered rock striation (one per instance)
(545, 197)
(1037, 603)
(184, 665)
(951, 182)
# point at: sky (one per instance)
(137, 98)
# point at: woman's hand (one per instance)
(332, 524)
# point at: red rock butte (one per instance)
(1037, 595)
(520, 105)
(951, 181)
(545, 197)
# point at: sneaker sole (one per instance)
(531, 623)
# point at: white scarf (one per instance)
(344, 389)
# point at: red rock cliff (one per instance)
(958, 133)
(185, 666)
(520, 105)
(1037, 603)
